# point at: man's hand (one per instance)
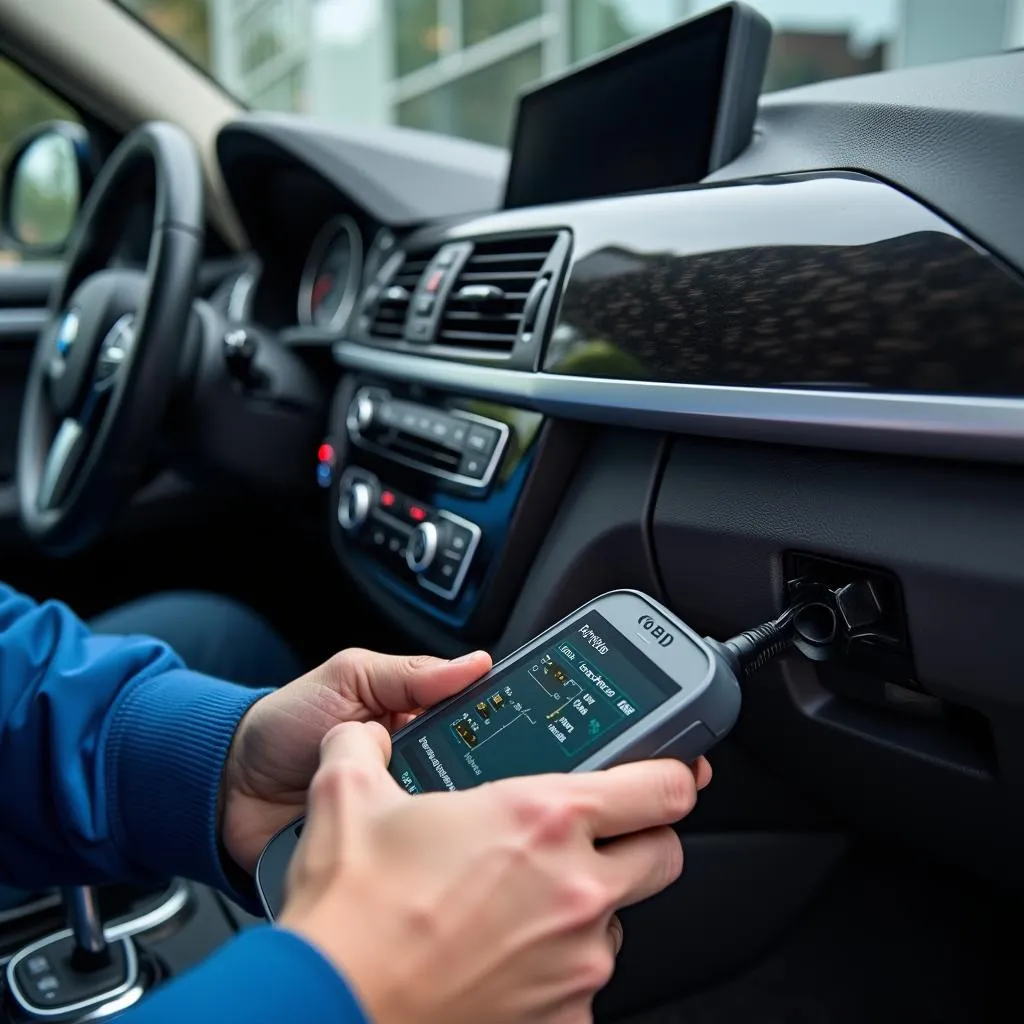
(276, 749)
(496, 903)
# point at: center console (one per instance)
(436, 450)
(416, 543)
(425, 492)
(83, 954)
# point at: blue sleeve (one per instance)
(265, 976)
(111, 754)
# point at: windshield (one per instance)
(455, 66)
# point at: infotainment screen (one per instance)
(662, 112)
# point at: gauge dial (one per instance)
(330, 280)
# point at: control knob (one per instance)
(354, 505)
(364, 413)
(422, 547)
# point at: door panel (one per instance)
(26, 286)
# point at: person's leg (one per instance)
(211, 634)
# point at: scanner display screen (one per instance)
(546, 712)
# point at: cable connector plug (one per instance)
(811, 624)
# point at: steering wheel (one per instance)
(107, 363)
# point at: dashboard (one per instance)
(328, 287)
(811, 362)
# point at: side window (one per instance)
(23, 104)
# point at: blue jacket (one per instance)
(111, 754)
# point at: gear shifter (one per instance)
(86, 924)
(76, 974)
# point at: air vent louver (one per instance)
(485, 307)
(393, 302)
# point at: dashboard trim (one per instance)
(945, 426)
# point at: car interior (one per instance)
(405, 391)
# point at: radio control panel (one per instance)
(428, 547)
(453, 445)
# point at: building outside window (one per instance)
(261, 49)
(456, 66)
(459, 64)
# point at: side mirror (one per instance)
(47, 175)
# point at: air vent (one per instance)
(393, 302)
(487, 303)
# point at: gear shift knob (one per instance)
(75, 975)
(82, 904)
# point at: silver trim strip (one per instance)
(131, 979)
(25, 910)
(469, 482)
(176, 902)
(950, 426)
(116, 1006)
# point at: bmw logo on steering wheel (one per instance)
(67, 332)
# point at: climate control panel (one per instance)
(451, 444)
(433, 548)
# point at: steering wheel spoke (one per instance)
(67, 452)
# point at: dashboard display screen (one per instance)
(547, 712)
(642, 118)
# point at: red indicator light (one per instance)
(434, 281)
(417, 513)
(325, 453)
(387, 499)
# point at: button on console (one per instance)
(458, 540)
(37, 965)
(474, 466)
(482, 440)
(447, 569)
